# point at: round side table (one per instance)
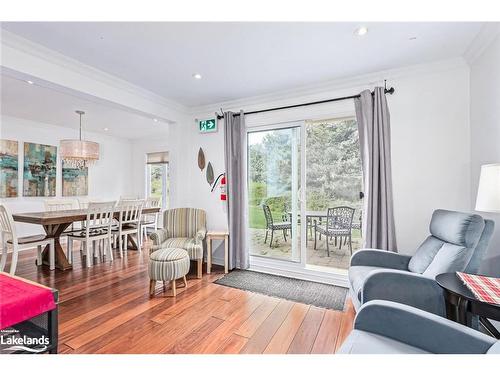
(461, 304)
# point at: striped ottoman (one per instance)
(168, 264)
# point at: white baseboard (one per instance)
(296, 271)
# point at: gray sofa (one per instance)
(457, 242)
(384, 327)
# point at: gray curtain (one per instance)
(235, 147)
(372, 115)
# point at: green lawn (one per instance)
(257, 219)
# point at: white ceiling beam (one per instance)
(21, 57)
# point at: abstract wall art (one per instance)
(39, 175)
(74, 181)
(9, 165)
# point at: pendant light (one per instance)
(77, 153)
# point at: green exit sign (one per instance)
(208, 126)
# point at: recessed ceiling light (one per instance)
(30, 82)
(105, 129)
(197, 76)
(155, 120)
(360, 31)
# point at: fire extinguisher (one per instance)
(223, 194)
(223, 186)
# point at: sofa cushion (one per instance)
(458, 228)
(361, 342)
(184, 222)
(450, 258)
(357, 277)
(495, 348)
(424, 254)
(194, 249)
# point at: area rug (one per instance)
(307, 292)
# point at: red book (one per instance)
(486, 289)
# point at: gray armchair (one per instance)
(383, 327)
(457, 242)
(183, 228)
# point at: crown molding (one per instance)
(347, 86)
(488, 33)
(53, 57)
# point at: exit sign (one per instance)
(208, 126)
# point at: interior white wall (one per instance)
(108, 179)
(485, 133)
(430, 145)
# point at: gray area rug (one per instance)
(307, 292)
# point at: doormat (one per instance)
(307, 292)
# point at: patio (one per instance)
(282, 250)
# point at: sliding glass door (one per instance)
(333, 192)
(304, 197)
(274, 173)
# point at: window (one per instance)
(157, 181)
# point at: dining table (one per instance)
(56, 222)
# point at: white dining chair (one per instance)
(8, 236)
(63, 205)
(97, 231)
(129, 223)
(60, 204)
(150, 220)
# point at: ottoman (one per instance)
(168, 265)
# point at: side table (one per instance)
(217, 235)
(461, 304)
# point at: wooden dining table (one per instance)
(56, 222)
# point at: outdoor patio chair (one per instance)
(338, 225)
(272, 226)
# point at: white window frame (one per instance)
(165, 196)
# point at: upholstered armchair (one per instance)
(457, 242)
(183, 228)
(383, 327)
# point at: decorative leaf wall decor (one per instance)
(201, 159)
(210, 174)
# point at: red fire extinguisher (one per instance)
(221, 179)
(223, 195)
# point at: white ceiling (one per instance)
(51, 106)
(239, 60)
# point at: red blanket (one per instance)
(486, 289)
(21, 300)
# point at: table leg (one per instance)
(131, 243)
(226, 254)
(462, 311)
(451, 308)
(209, 255)
(55, 231)
(490, 328)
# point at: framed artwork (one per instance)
(39, 175)
(9, 165)
(74, 181)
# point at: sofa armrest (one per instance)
(380, 258)
(420, 329)
(200, 235)
(404, 287)
(158, 237)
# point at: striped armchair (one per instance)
(183, 228)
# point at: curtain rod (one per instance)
(389, 91)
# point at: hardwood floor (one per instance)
(107, 309)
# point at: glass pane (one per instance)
(333, 180)
(273, 193)
(156, 180)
